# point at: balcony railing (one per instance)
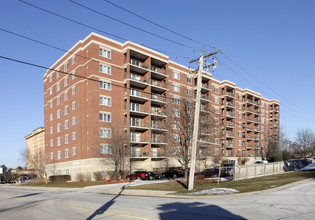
(158, 83)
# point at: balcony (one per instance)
(229, 135)
(204, 99)
(257, 112)
(230, 146)
(138, 125)
(158, 140)
(257, 121)
(230, 125)
(250, 138)
(249, 111)
(249, 129)
(229, 95)
(257, 130)
(158, 86)
(136, 111)
(138, 67)
(158, 73)
(250, 147)
(250, 102)
(137, 81)
(136, 140)
(138, 154)
(250, 120)
(158, 113)
(158, 127)
(229, 116)
(204, 110)
(137, 96)
(205, 88)
(158, 100)
(230, 106)
(158, 155)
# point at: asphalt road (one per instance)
(295, 202)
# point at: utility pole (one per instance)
(196, 121)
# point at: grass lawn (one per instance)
(66, 184)
(248, 185)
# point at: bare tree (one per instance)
(116, 152)
(304, 140)
(180, 129)
(35, 160)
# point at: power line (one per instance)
(130, 25)
(91, 79)
(156, 24)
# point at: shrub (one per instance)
(60, 178)
(98, 176)
(80, 177)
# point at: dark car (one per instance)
(143, 175)
(174, 173)
(214, 172)
(155, 175)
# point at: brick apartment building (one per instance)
(79, 111)
(35, 149)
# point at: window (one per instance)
(66, 124)
(73, 90)
(51, 116)
(216, 89)
(58, 87)
(216, 110)
(66, 67)
(239, 115)
(176, 100)
(74, 105)
(105, 149)
(189, 79)
(105, 69)
(74, 135)
(216, 151)
(176, 150)
(175, 125)
(105, 85)
(58, 127)
(176, 137)
(58, 113)
(66, 81)
(105, 116)
(50, 91)
(50, 78)
(67, 154)
(73, 75)
(66, 110)
(104, 100)
(216, 100)
(58, 141)
(67, 170)
(51, 142)
(134, 107)
(66, 139)
(58, 100)
(51, 155)
(66, 95)
(188, 91)
(74, 120)
(239, 143)
(105, 133)
(58, 74)
(175, 88)
(74, 151)
(104, 53)
(51, 104)
(59, 155)
(73, 60)
(176, 113)
(176, 75)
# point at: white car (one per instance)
(311, 166)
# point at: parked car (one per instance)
(174, 173)
(214, 172)
(311, 166)
(155, 175)
(143, 175)
(262, 161)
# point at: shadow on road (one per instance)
(27, 195)
(106, 206)
(195, 210)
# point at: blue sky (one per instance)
(272, 40)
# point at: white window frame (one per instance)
(66, 153)
(74, 120)
(107, 85)
(105, 117)
(189, 79)
(105, 100)
(105, 132)
(74, 105)
(66, 67)
(58, 113)
(58, 155)
(66, 124)
(103, 52)
(58, 127)
(51, 155)
(73, 90)
(66, 96)
(74, 135)
(58, 141)
(105, 149)
(176, 88)
(66, 139)
(51, 116)
(66, 109)
(105, 68)
(58, 87)
(74, 151)
(66, 81)
(176, 75)
(58, 100)
(73, 60)
(51, 142)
